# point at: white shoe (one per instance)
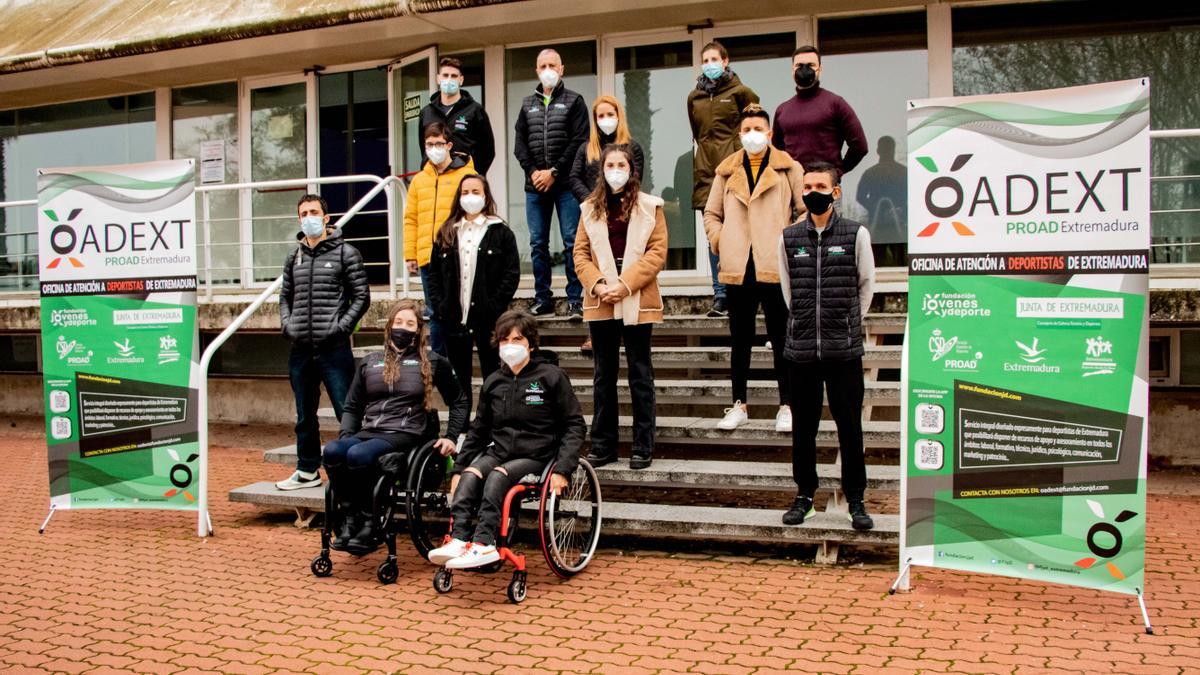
(734, 417)
(477, 555)
(299, 480)
(448, 552)
(783, 420)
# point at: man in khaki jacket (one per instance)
(756, 193)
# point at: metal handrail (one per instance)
(204, 523)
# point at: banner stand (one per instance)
(1145, 615)
(42, 529)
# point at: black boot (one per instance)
(641, 459)
(367, 538)
(347, 528)
(598, 458)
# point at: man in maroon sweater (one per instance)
(813, 125)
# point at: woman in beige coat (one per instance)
(756, 193)
(620, 248)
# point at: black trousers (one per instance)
(843, 380)
(743, 301)
(459, 340)
(485, 496)
(606, 348)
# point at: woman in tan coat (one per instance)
(756, 193)
(620, 248)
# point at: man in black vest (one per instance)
(826, 269)
(551, 126)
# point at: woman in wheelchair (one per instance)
(388, 409)
(527, 416)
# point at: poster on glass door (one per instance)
(1024, 450)
(117, 264)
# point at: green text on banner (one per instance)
(117, 261)
(1025, 408)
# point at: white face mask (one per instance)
(549, 77)
(472, 204)
(513, 354)
(616, 178)
(607, 124)
(436, 155)
(312, 226)
(754, 142)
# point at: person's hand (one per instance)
(615, 294)
(539, 179)
(413, 268)
(558, 482)
(444, 446)
(549, 179)
(453, 485)
(599, 290)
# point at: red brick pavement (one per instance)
(122, 591)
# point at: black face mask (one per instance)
(402, 339)
(818, 202)
(805, 76)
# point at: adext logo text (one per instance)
(69, 238)
(1019, 194)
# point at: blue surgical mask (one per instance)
(448, 87)
(312, 226)
(713, 70)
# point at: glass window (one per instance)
(653, 82)
(278, 151)
(473, 74)
(207, 115)
(412, 93)
(353, 130)
(520, 78)
(1066, 44)
(869, 62)
(763, 63)
(115, 130)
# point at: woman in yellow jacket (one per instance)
(620, 248)
(756, 193)
(431, 197)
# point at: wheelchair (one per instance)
(568, 524)
(390, 498)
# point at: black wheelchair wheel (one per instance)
(570, 522)
(321, 566)
(428, 505)
(517, 588)
(443, 580)
(388, 572)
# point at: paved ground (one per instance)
(111, 591)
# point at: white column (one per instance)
(941, 51)
(162, 124)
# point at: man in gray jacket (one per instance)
(324, 294)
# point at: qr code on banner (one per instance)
(931, 418)
(928, 455)
(60, 427)
(60, 401)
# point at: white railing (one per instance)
(204, 524)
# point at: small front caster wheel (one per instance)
(517, 588)
(443, 581)
(387, 572)
(321, 566)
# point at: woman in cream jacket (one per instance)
(620, 248)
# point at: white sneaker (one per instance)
(783, 420)
(734, 417)
(300, 479)
(448, 552)
(477, 555)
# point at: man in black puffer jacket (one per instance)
(324, 294)
(551, 126)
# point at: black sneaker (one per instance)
(859, 519)
(719, 309)
(542, 308)
(641, 459)
(801, 509)
(575, 312)
(350, 526)
(598, 460)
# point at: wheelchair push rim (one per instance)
(570, 522)
(427, 506)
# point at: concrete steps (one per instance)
(756, 432)
(691, 325)
(718, 392)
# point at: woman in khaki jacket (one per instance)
(619, 250)
(756, 193)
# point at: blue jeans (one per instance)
(539, 209)
(350, 463)
(436, 343)
(308, 367)
(718, 287)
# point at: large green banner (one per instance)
(1025, 394)
(117, 259)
